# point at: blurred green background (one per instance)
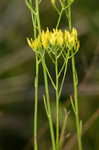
(17, 72)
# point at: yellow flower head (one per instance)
(72, 37)
(74, 32)
(60, 39)
(30, 42)
(45, 36)
(34, 44)
(56, 37)
(66, 36)
(52, 39)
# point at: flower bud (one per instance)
(53, 1)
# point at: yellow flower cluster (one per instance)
(54, 38)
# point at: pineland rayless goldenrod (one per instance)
(53, 38)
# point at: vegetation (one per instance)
(55, 41)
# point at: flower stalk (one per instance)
(78, 125)
(57, 104)
(75, 85)
(47, 104)
(36, 105)
(36, 27)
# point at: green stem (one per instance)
(63, 130)
(75, 84)
(48, 104)
(37, 16)
(57, 106)
(33, 16)
(76, 104)
(62, 82)
(36, 105)
(36, 22)
(69, 18)
(59, 19)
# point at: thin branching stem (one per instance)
(69, 18)
(62, 82)
(36, 23)
(36, 26)
(57, 104)
(61, 70)
(36, 105)
(37, 16)
(76, 104)
(53, 84)
(33, 15)
(63, 128)
(75, 84)
(48, 104)
(59, 19)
